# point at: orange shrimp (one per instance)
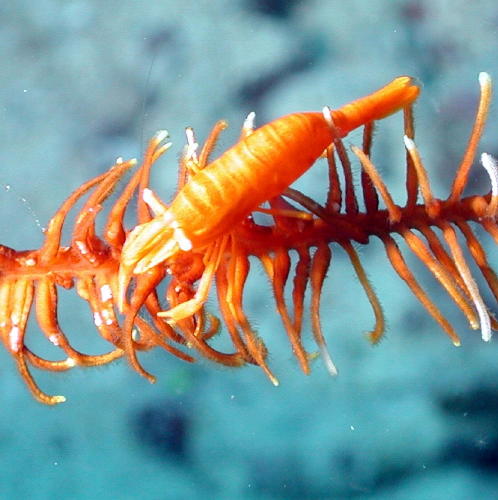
(220, 195)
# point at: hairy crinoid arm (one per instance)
(35, 274)
(462, 175)
(451, 270)
(144, 293)
(429, 228)
(30, 279)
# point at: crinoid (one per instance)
(296, 245)
(428, 226)
(90, 264)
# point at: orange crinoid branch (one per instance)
(119, 273)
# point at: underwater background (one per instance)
(83, 82)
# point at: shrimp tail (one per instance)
(396, 95)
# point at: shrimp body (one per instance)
(256, 169)
(259, 167)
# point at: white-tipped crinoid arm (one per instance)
(192, 145)
(158, 138)
(484, 79)
(491, 166)
(160, 135)
(154, 203)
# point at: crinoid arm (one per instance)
(34, 275)
(30, 279)
(416, 222)
(148, 286)
(451, 270)
(428, 227)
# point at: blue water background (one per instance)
(83, 82)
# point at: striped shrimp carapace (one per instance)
(207, 238)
